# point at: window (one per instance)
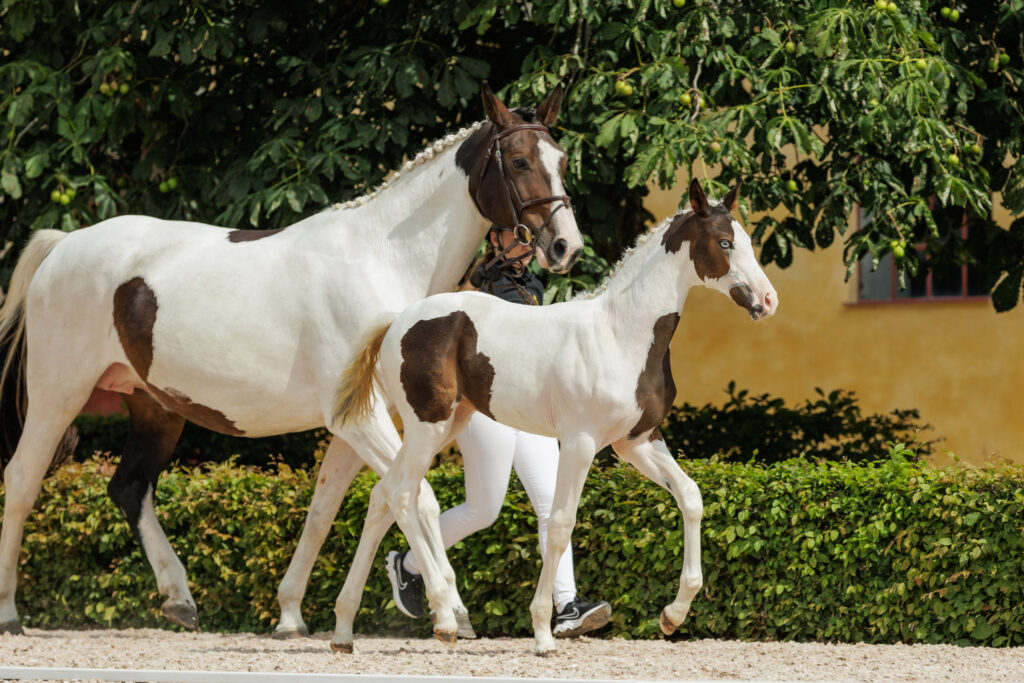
(945, 280)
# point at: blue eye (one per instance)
(725, 244)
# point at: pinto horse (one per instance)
(592, 371)
(246, 332)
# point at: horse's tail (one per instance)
(13, 397)
(354, 399)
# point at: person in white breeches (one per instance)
(489, 452)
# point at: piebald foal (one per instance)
(592, 371)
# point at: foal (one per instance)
(592, 371)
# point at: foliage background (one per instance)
(894, 551)
(259, 114)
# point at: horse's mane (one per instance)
(627, 262)
(428, 153)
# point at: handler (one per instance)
(490, 450)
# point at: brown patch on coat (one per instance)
(703, 232)
(441, 366)
(656, 434)
(655, 389)
(250, 235)
(204, 416)
(135, 309)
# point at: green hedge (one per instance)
(883, 552)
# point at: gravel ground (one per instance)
(584, 658)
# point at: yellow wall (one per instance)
(959, 363)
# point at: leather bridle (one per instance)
(523, 234)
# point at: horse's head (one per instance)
(722, 253)
(515, 171)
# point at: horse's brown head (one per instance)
(516, 172)
(721, 251)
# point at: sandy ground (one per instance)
(584, 658)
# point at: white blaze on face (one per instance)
(564, 220)
(746, 267)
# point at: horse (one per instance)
(592, 371)
(246, 332)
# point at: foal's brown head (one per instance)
(516, 172)
(721, 251)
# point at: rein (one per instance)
(523, 234)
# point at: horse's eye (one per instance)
(725, 244)
(519, 163)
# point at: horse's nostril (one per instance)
(768, 301)
(558, 249)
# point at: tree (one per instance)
(256, 115)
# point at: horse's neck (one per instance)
(423, 226)
(650, 284)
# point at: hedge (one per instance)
(891, 551)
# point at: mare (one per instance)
(592, 371)
(247, 332)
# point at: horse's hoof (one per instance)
(447, 637)
(343, 648)
(465, 627)
(182, 615)
(545, 650)
(12, 627)
(668, 627)
(291, 633)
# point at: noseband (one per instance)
(523, 234)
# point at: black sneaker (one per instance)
(406, 588)
(579, 617)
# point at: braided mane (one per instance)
(429, 153)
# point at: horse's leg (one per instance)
(402, 486)
(573, 463)
(339, 467)
(51, 408)
(652, 457)
(378, 521)
(154, 432)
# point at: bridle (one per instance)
(523, 234)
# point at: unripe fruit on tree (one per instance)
(993, 64)
(891, 7)
(953, 160)
(954, 15)
(790, 46)
(678, 3)
(104, 88)
(944, 12)
(685, 99)
(65, 199)
(715, 146)
(55, 196)
(921, 64)
(172, 183)
(70, 192)
(1004, 59)
(880, 5)
(123, 89)
(163, 186)
(899, 251)
(791, 185)
(873, 102)
(113, 86)
(974, 148)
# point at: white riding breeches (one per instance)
(489, 452)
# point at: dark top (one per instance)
(509, 282)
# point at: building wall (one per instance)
(959, 363)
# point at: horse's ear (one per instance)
(547, 112)
(496, 111)
(698, 200)
(730, 199)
